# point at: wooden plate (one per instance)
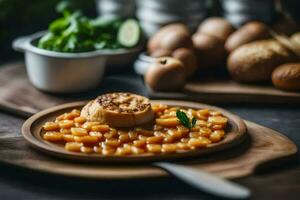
(32, 132)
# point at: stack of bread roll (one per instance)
(254, 53)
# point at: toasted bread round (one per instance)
(119, 110)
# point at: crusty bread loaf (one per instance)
(255, 61)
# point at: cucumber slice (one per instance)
(129, 33)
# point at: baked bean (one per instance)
(66, 123)
(124, 138)
(154, 148)
(85, 149)
(108, 151)
(201, 123)
(215, 113)
(121, 151)
(220, 132)
(168, 122)
(73, 146)
(88, 125)
(175, 133)
(100, 128)
(51, 126)
(137, 150)
(217, 127)
(198, 142)
(215, 137)
(218, 120)
(69, 138)
(154, 139)
(111, 134)
(79, 120)
(112, 142)
(169, 148)
(204, 112)
(199, 116)
(70, 116)
(79, 131)
(53, 136)
(204, 131)
(65, 131)
(139, 143)
(182, 146)
(86, 139)
(168, 139)
(60, 117)
(99, 135)
(144, 132)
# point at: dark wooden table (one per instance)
(279, 182)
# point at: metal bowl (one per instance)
(58, 72)
(142, 64)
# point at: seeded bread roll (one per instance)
(287, 77)
(255, 61)
(250, 32)
(119, 110)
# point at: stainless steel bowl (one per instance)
(64, 72)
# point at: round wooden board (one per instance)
(32, 131)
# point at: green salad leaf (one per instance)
(74, 32)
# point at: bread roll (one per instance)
(248, 33)
(254, 62)
(209, 50)
(166, 74)
(287, 77)
(188, 58)
(217, 27)
(170, 37)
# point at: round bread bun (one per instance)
(217, 27)
(170, 37)
(119, 110)
(255, 61)
(209, 50)
(188, 58)
(287, 77)
(250, 32)
(166, 74)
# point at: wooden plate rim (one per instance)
(41, 145)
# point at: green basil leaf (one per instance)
(184, 120)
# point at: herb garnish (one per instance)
(184, 120)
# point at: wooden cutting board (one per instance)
(263, 147)
(228, 91)
(18, 96)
